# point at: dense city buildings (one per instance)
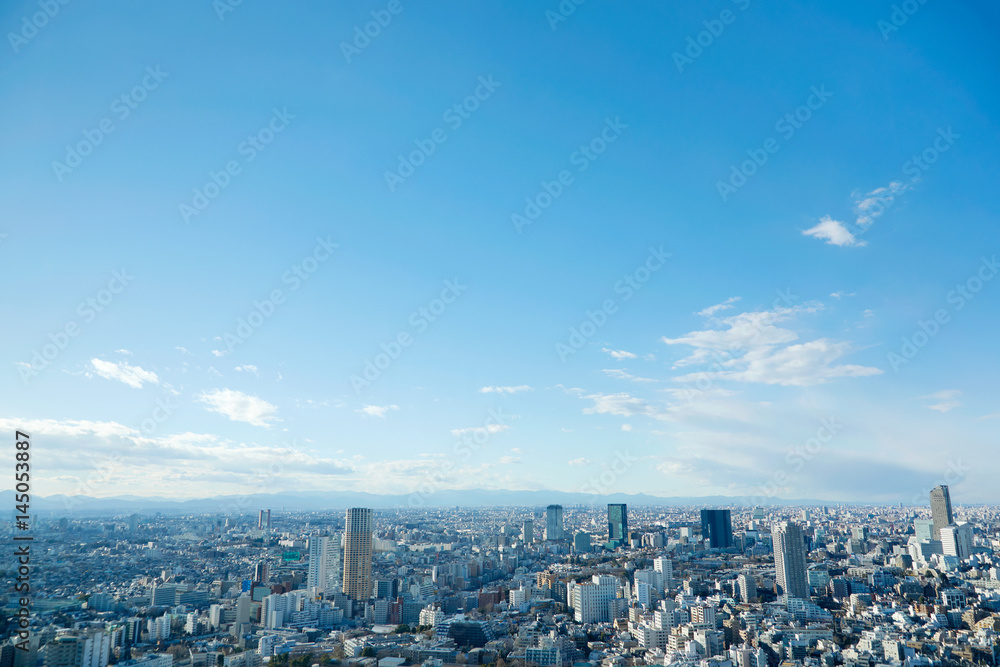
(797, 587)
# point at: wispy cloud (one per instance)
(619, 354)
(725, 305)
(240, 407)
(582, 461)
(377, 410)
(505, 390)
(870, 206)
(867, 208)
(489, 429)
(619, 374)
(944, 400)
(133, 376)
(248, 368)
(750, 347)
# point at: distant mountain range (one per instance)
(61, 505)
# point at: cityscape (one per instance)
(572, 586)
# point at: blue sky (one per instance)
(782, 302)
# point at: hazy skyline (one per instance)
(617, 262)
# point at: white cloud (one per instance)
(802, 365)
(626, 427)
(377, 410)
(841, 295)
(867, 208)
(619, 374)
(744, 331)
(619, 354)
(579, 462)
(944, 400)
(874, 204)
(751, 348)
(69, 428)
(489, 429)
(712, 310)
(505, 390)
(240, 407)
(622, 405)
(833, 232)
(124, 351)
(248, 368)
(220, 353)
(510, 459)
(133, 376)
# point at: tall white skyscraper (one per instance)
(665, 567)
(358, 553)
(324, 563)
(791, 577)
(554, 522)
(956, 540)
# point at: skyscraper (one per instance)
(553, 522)
(790, 574)
(617, 523)
(358, 553)
(941, 509)
(528, 531)
(264, 520)
(324, 563)
(717, 528)
(956, 540)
